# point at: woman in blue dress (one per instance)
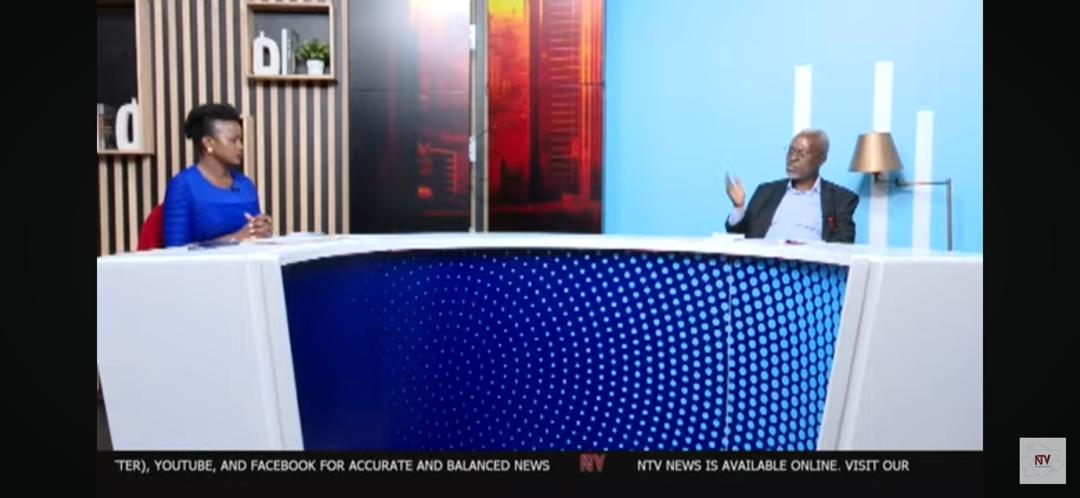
(212, 201)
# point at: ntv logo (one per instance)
(1042, 460)
(592, 462)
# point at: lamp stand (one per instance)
(948, 199)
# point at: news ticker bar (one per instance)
(136, 464)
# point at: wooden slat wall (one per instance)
(195, 56)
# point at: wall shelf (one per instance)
(143, 75)
(263, 6)
(289, 77)
(113, 152)
(250, 29)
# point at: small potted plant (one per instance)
(317, 55)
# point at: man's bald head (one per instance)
(818, 138)
(807, 152)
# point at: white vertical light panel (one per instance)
(803, 80)
(879, 191)
(924, 172)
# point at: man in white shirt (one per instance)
(804, 207)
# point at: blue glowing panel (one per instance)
(781, 336)
(561, 350)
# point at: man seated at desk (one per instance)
(803, 207)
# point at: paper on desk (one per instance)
(295, 238)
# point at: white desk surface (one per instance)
(302, 247)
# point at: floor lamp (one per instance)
(875, 153)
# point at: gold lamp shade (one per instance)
(875, 153)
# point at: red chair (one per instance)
(152, 235)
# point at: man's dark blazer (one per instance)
(837, 211)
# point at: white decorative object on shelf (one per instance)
(262, 49)
(315, 66)
(290, 42)
(129, 127)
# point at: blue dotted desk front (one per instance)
(545, 349)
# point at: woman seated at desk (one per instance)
(213, 201)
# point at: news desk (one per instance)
(540, 342)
